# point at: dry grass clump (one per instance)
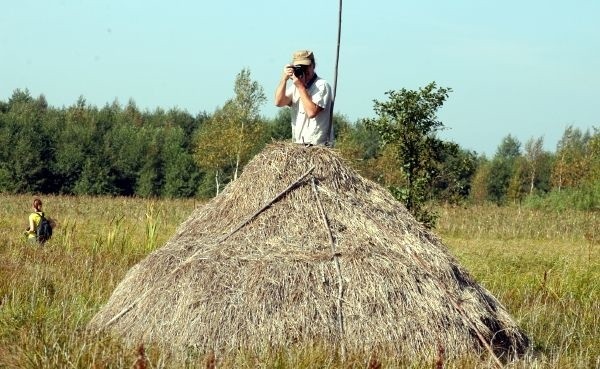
(301, 250)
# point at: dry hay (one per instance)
(303, 250)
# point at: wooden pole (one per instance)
(335, 74)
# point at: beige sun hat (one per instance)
(303, 57)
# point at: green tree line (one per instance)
(120, 150)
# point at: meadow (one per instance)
(543, 266)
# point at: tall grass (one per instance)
(48, 293)
(543, 266)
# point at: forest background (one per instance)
(122, 151)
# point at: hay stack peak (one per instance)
(303, 250)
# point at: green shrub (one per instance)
(586, 198)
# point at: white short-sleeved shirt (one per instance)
(317, 130)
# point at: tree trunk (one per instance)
(531, 186)
(237, 161)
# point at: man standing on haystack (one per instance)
(310, 98)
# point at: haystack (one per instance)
(302, 250)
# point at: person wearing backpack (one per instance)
(40, 228)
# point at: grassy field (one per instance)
(544, 267)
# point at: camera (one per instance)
(298, 70)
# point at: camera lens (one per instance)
(298, 70)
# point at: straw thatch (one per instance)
(303, 250)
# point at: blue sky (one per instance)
(526, 68)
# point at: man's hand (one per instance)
(280, 98)
(298, 82)
(288, 72)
